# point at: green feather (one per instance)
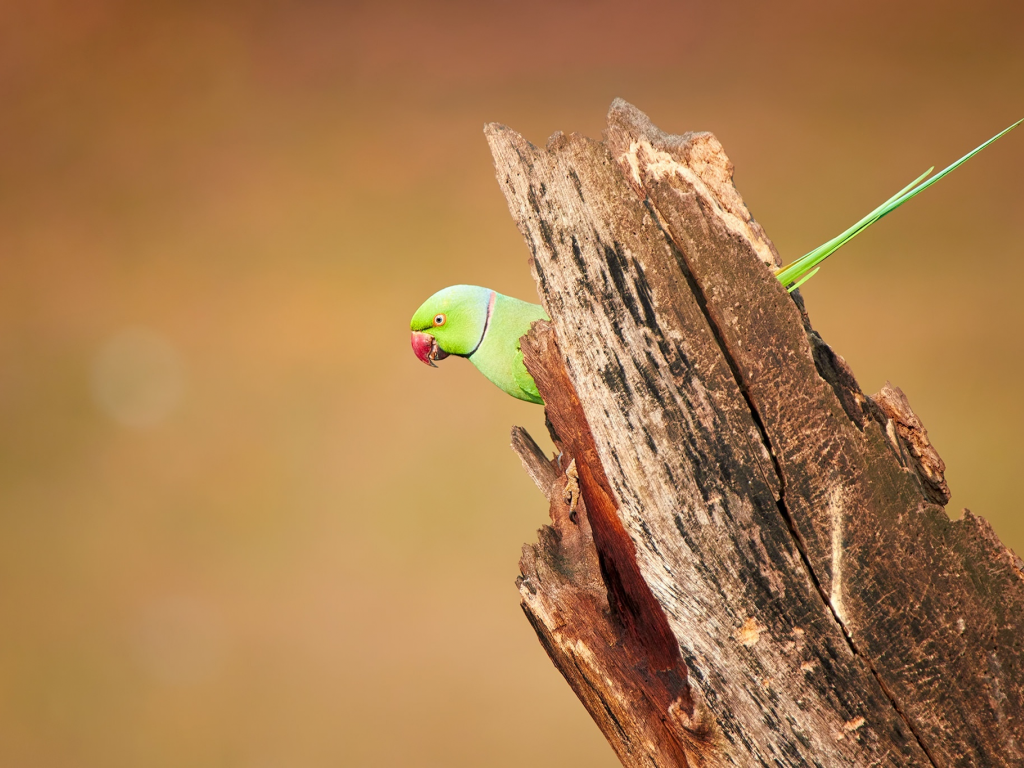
(795, 274)
(499, 357)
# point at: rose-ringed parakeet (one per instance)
(485, 326)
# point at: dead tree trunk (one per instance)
(749, 562)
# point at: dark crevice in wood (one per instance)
(895, 705)
(702, 302)
(730, 360)
(787, 515)
(607, 633)
(842, 382)
(823, 358)
(629, 594)
(834, 370)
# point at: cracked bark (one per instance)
(756, 569)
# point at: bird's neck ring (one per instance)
(487, 323)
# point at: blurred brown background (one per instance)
(240, 524)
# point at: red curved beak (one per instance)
(424, 346)
(421, 344)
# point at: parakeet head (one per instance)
(451, 322)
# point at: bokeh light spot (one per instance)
(180, 641)
(137, 378)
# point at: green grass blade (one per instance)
(799, 271)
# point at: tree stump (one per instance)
(749, 562)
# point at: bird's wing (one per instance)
(524, 380)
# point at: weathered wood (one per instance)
(875, 540)
(754, 571)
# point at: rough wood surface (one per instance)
(753, 569)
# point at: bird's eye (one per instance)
(439, 320)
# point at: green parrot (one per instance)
(485, 326)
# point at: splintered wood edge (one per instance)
(906, 428)
(536, 464)
(707, 168)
